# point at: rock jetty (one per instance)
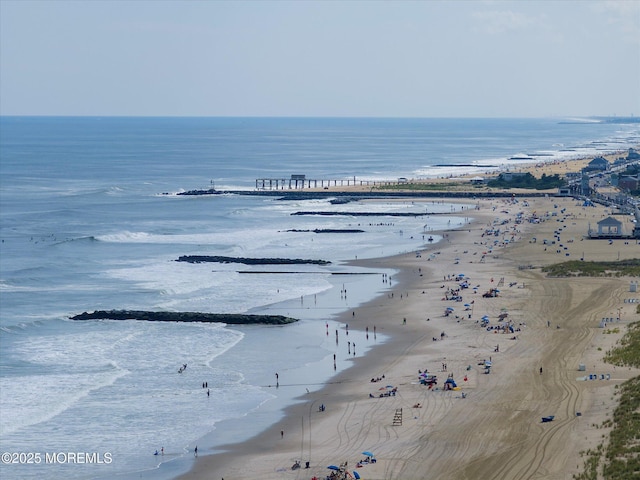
(330, 230)
(249, 261)
(368, 214)
(148, 316)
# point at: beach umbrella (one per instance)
(486, 317)
(356, 475)
(368, 454)
(467, 305)
(333, 467)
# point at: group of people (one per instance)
(390, 392)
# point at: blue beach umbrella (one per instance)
(356, 475)
(368, 454)
(333, 467)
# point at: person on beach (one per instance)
(195, 451)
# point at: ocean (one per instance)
(90, 220)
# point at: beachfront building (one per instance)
(598, 164)
(585, 186)
(510, 176)
(628, 182)
(608, 228)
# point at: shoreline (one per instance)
(347, 393)
(536, 166)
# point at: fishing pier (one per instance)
(300, 182)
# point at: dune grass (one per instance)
(578, 268)
(620, 459)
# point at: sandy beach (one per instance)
(490, 426)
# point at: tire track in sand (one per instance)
(532, 457)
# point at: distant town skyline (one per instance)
(320, 58)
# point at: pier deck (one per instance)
(299, 182)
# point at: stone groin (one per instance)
(149, 316)
(353, 196)
(249, 261)
(367, 214)
(329, 230)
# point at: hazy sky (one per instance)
(320, 58)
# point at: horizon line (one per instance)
(38, 115)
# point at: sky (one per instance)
(320, 58)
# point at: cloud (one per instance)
(498, 22)
(622, 14)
